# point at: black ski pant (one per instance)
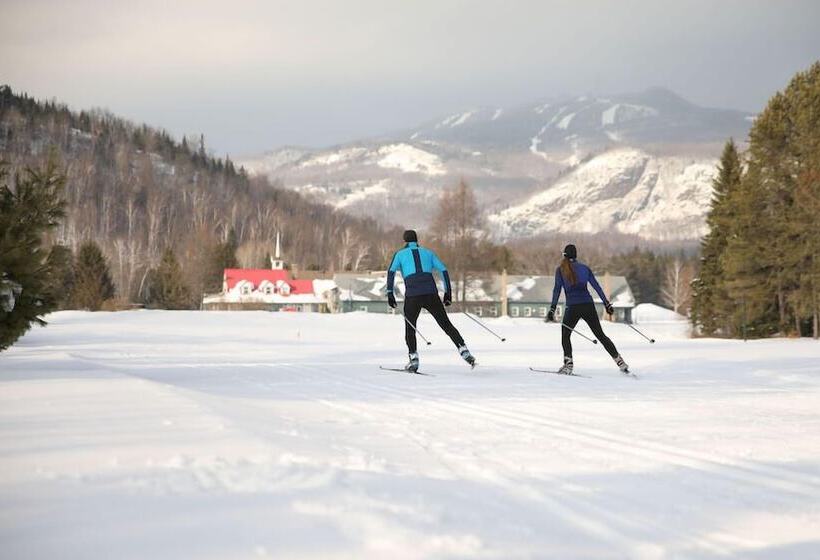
(587, 312)
(432, 303)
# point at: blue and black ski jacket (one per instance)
(578, 292)
(417, 265)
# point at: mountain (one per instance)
(514, 157)
(625, 190)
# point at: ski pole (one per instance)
(651, 340)
(592, 340)
(488, 329)
(415, 329)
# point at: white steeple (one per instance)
(276, 262)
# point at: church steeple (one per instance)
(276, 262)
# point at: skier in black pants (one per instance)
(573, 277)
(416, 265)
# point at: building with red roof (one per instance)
(272, 289)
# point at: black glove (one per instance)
(609, 309)
(448, 298)
(391, 300)
(551, 315)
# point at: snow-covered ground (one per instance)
(241, 435)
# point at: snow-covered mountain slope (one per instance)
(625, 190)
(510, 155)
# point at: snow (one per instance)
(651, 313)
(378, 188)
(535, 141)
(158, 435)
(623, 112)
(462, 119)
(563, 124)
(496, 114)
(625, 190)
(410, 159)
(334, 157)
(456, 120)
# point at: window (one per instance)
(514, 311)
(478, 311)
(542, 311)
(245, 289)
(362, 308)
(528, 311)
(494, 311)
(268, 290)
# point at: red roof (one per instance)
(258, 275)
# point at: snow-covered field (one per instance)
(241, 435)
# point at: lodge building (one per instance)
(518, 296)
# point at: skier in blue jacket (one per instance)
(573, 277)
(416, 265)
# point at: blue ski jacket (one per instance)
(416, 265)
(578, 292)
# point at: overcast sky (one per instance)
(255, 75)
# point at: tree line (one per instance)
(760, 262)
(135, 192)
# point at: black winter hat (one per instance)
(410, 236)
(570, 251)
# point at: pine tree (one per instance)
(804, 227)
(167, 286)
(746, 265)
(92, 278)
(28, 209)
(711, 305)
(61, 263)
(223, 255)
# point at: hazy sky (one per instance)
(255, 75)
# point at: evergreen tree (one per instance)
(747, 267)
(804, 227)
(223, 255)
(28, 209)
(61, 262)
(167, 287)
(92, 278)
(644, 271)
(711, 305)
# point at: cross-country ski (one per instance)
(405, 370)
(557, 372)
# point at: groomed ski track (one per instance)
(281, 427)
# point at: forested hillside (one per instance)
(136, 191)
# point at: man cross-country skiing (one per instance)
(573, 277)
(416, 265)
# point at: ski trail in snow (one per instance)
(754, 476)
(592, 518)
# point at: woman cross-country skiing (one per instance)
(416, 265)
(573, 277)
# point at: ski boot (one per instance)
(566, 369)
(466, 356)
(413, 365)
(621, 364)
